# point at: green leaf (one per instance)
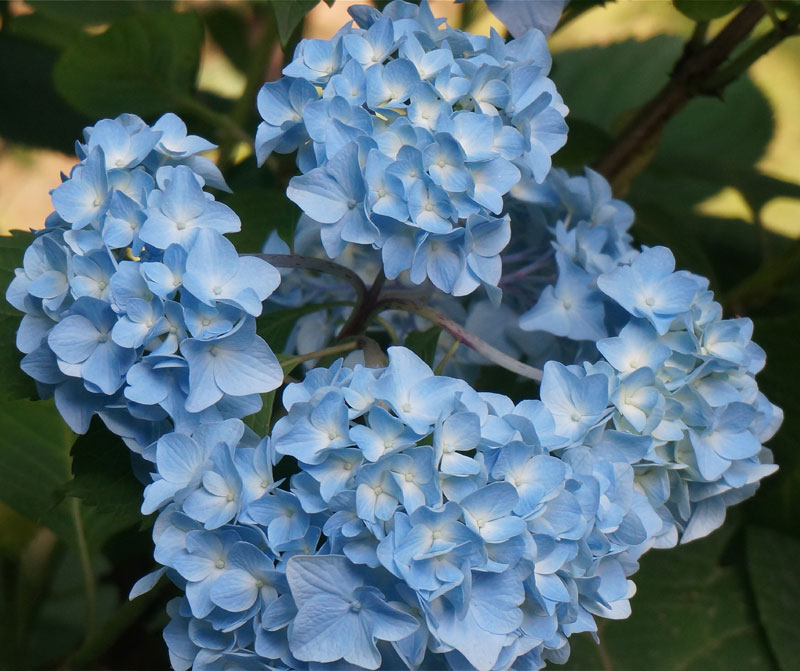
(734, 131)
(775, 576)
(45, 30)
(35, 462)
(34, 115)
(260, 421)
(61, 621)
(423, 343)
(144, 64)
(706, 10)
(17, 531)
(92, 12)
(633, 70)
(708, 142)
(289, 14)
(778, 501)
(103, 479)
(276, 326)
(690, 613)
(36, 467)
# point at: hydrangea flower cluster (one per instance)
(392, 517)
(429, 526)
(675, 368)
(136, 306)
(588, 236)
(409, 134)
(683, 375)
(678, 373)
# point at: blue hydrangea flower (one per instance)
(407, 128)
(340, 615)
(103, 292)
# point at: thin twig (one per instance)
(688, 80)
(390, 330)
(319, 266)
(461, 334)
(89, 585)
(290, 364)
(357, 321)
(447, 356)
(696, 41)
(755, 50)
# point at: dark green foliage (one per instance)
(103, 478)
(289, 14)
(772, 565)
(423, 343)
(260, 421)
(691, 613)
(706, 10)
(35, 462)
(27, 117)
(143, 64)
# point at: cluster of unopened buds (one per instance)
(420, 524)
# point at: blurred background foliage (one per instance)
(720, 186)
